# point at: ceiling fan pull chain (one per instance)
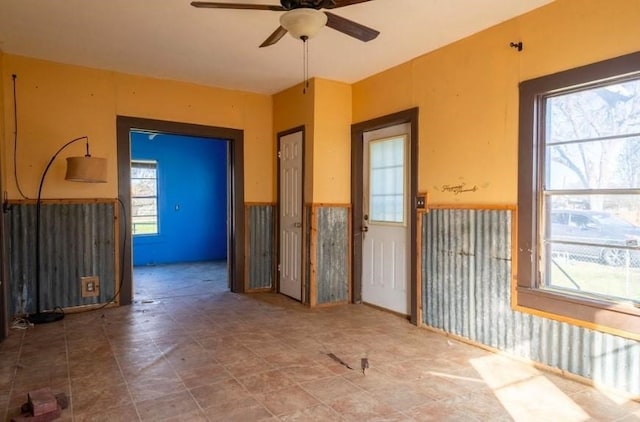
(306, 53)
(305, 65)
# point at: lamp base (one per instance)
(45, 317)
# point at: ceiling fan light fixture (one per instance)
(303, 23)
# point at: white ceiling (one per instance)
(173, 40)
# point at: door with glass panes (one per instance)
(385, 251)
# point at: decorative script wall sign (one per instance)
(458, 189)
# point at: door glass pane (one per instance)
(387, 180)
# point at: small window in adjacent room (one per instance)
(144, 197)
(579, 195)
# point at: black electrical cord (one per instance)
(15, 138)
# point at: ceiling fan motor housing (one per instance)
(309, 4)
(303, 23)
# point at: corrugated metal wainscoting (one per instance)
(306, 281)
(260, 246)
(466, 269)
(331, 254)
(77, 239)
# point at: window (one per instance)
(579, 195)
(144, 197)
(387, 180)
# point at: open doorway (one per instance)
(179, 204)
(233, 141)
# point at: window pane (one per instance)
(591, 245)
(143, 187)
(145, 225)
(387, 180)
(143, 170)
(144, 207)
(608, 164)
(594, 113)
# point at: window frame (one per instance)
(594, 313)
(157, 216)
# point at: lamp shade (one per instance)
(86, 169)
(303, 23)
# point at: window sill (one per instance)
(621, 320)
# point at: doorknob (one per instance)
(297, 225)
(364, 229)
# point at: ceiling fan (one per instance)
(303, 18)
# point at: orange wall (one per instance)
(59, 102)
(467, 92)
(332, 142)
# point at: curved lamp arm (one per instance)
(46, 169)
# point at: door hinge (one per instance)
(279, 154)
(278, 267)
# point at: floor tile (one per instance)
(329, 389)
(203, 375)
(174, 405)
(286, 400)
(320, 413)
(401, 397)
(154, 388)
(218, 394)
(266, 382)
(240, 410)
(361, 406)
(97, 399)
(250, 366)
(126, 413)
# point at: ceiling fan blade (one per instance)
(275, 37)
(334, 4)
(216, 5)
(349, 27)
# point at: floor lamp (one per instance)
(86, 169)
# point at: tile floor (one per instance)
(188, 350)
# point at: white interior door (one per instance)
(291, 215)
(385, 252)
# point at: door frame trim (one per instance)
(235, 238)
(357, 140)
(303, 292)
(4, 286)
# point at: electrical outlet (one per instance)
(90, 286)
(421, 202)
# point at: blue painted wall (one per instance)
(192, 199)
